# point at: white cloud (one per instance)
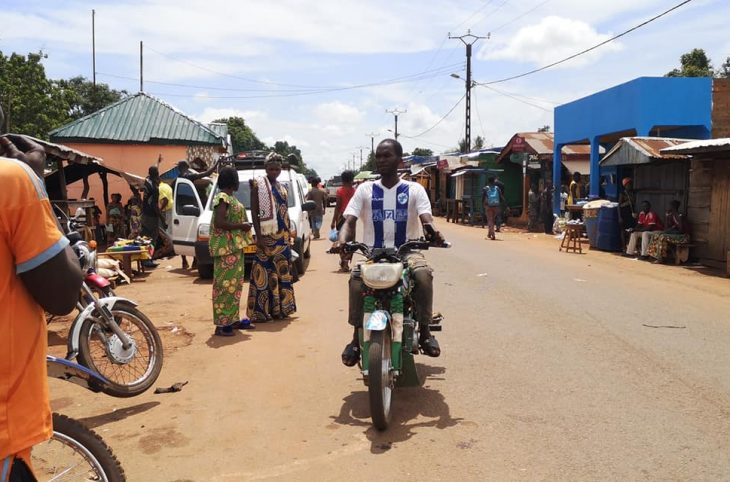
(338, 112)
(554, 38)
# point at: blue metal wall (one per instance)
(677, 106)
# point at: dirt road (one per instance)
(555, 367)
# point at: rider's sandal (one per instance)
(430, 347)
(351, 355)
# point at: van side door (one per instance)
(186, 211)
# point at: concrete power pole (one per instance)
(468, 40)
(395, 113)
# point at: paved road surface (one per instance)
(549, 372)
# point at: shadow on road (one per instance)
(216, 341)
(408, 405)
(117, 415)
(274, 325)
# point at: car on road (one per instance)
(332, 185)
(193, 212)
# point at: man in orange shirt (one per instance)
(38, 271)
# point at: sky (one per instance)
(321, 75)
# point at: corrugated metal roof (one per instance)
(138, 118)
(641, 150)
(219, 128)
(542, 144)
(700, 147)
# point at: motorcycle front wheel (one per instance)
(380, 378)
(75, 453)
(131, 371)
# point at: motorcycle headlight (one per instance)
(203, 232)
(381, 275)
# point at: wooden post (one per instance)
(85, 192)
(105, 188)
(62, 180)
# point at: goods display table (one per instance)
(126, 258)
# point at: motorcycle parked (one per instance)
(390, 334)
(111, 336)
(75, 452)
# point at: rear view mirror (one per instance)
(190, 210)
(309, 206)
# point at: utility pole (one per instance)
(93, 47)
(372, 135)
(469, 39)
(361, 158)
(395, 113)
(141, 65)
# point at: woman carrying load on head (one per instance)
(271, 292)
(229, 234)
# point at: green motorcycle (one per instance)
(389, 336)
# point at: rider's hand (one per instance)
(438, 238)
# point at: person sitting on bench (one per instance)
(648, 226)
(675, 234)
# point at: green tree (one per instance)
(243, 137)
(32, 104)
(545, 128)
(83, 98)
(463, 147)
(694, 64)
(419, 151)
(478, 142)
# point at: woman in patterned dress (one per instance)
(271, 293)
(229, 234)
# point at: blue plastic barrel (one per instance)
(609, 229)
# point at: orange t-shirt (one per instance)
(29, 237)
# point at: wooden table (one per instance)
(127, 257)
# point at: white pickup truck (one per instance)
(193, 212)
(331, 187)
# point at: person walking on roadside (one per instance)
(546, 207)
(319, 196)
(151, 214)
(271, 290)
(229, 234)
(38, 271)
(502, 211)
(343, 196)
(492, 199)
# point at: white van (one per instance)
(193, 212)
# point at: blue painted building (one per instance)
(648, 106)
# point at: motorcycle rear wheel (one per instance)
(380, 378)
(75, 453)
(127, 378)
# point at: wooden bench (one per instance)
(681, 252)
(127, 257)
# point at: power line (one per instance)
(294, 92)
(441, 119)
(507, 94)
(636, 27)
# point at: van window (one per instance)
(184, 196)
(243, 194)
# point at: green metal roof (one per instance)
(135, 119)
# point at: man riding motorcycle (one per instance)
(392, 212)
